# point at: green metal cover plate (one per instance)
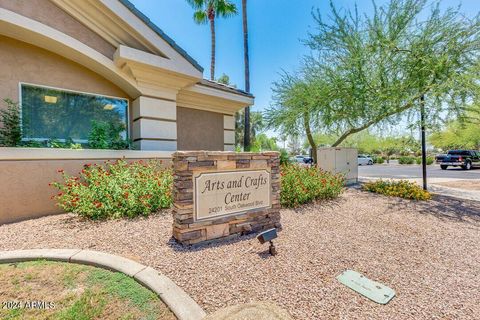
(371, 289)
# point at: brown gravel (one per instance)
(429, 253)
(472, 185)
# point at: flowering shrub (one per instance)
(402, 188)
(117, 189)
(302, 184)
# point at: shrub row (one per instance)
(412, 160)
(305, 184)
(117, 189)
(430, 160)
(402, 188)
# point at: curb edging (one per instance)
(181, 304)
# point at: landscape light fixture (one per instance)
(269, 235)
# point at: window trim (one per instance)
(20, 84)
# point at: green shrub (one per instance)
(430, 160)
(304, 184)
(284, 158)
(107, 135)
(401, 188)
(379, 160)
(406, 160)
(10, 130)
(117, 189)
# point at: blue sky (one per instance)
(275, 27)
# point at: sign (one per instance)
(224, 193)
(373, 290)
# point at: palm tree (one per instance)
(208, 10)
(246, 136)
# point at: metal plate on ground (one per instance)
(373, 290)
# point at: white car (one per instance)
(364, 160)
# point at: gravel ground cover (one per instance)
(427, 252)
(473, 185)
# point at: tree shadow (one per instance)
(446, 208)
(215, 243)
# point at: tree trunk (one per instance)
(212, 62)
(246, 135)
(306, 122)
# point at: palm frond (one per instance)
(225, 8)
(200, 17)
(198, 4)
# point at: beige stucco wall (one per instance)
(46, 12)
(24, 190)
(199, 130)
(22, 62)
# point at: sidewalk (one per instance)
(433, 187)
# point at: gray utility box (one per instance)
(339, 160)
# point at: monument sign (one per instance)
(219, 194)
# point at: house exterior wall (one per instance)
(199, 130)
(41, 44)
(46, 12)
(22, 62)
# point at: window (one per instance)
(49, 113)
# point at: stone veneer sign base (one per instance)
(220, 194)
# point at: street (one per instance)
(415, 171)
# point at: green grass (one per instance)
(88, 306)
(80, 292)
(124, 287)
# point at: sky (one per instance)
(276, 28)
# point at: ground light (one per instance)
(269, 235)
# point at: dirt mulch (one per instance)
(428, 253)
(470, 185)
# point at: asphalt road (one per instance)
(415, 171)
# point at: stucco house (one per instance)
(68, 62)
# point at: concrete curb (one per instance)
(181, 304)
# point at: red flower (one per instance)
(60, 170)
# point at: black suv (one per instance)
(467, 159)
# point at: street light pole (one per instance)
(424, 148)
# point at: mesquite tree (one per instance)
(375, 70)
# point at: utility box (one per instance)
(339, 160)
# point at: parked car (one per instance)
(364, 160)
(297, 159)
(467, 159)
(302, 159)
(308, 160)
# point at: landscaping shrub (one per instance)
(117, 189)
(402, 188)
(379, 160)
(406, 160)
(284, 158)
(10, 130)
(304, 184)
(430, 160)
(107, 135)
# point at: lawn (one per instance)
(426, 251)
(67, 291)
